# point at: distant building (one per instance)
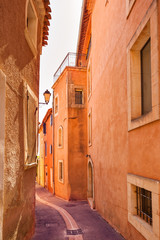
(23, 31)
(40, 163)
(70, 129)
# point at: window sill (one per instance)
(144, 119)
(143, 227)
(61, 181)
(30, 165)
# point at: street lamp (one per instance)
(47, 95)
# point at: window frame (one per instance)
(26, 89)
(139, 38)
(90, 128)
(148, 231)
(58, 140)
(56, 97)
(28, 35)
(79, 90)
(45, 149)
(89, 81)
(62, 164)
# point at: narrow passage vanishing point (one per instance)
(57, 219)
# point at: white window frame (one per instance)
(26, 89)
(60, 180)
(28, 35)
(148, 231)
(56, 97)
(60, 146)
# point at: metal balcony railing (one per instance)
(71, 60)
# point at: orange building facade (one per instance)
(45, 165)
(121, 39)
(70, 133)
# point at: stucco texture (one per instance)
(19, 65)
(115, 151)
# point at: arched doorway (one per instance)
(90, 192)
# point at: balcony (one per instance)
(71, 60)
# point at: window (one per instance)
(146, 78)
(30, 103)
(60, 171)
(78, 96)
(51, 177)
(56, 105)
(89, 48)
(51, 120)
(50, 149)
(89, 81)
(31, 26)
(44, 128)
(45, 150)
(143, 205)
(142, 72)
(89, 128)
(60, 137)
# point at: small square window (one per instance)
(78, 96)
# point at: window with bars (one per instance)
(78, 96)
(144, 204)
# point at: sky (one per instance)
(63, 37)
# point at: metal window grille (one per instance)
(78, 96)
(144, 204)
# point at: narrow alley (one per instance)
(57, 219)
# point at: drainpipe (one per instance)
(53, 139)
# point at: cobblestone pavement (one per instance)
(57, 219)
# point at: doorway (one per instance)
(90, 192)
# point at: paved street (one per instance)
(57, 219)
